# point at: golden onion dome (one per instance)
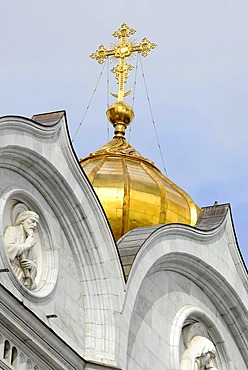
(132, 191)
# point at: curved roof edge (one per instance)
(212, 216)
(130, 244)
(50, 123)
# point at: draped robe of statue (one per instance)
(199, 347)
(14, 240)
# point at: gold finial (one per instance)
(122, 51)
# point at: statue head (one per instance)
(206, 359)
(29, 220)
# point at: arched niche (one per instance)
(13, 201)
(192, 321)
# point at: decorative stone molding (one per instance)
(196, 343)
(12, 357)
(37, 156)
(199, 256)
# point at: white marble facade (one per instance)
(183, 307)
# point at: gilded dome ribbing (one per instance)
(133, 192)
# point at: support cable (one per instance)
(87, 108)
(133, 99)
(153, 121)
(135, 82)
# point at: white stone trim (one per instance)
(205, 259)
(56, 174)
(176, 331)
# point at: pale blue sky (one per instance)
(197, 80)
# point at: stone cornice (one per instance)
(40, 338)
(36, 334)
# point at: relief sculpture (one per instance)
(199, 355)
(20, 243)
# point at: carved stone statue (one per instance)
(199, 355)
(19, 244)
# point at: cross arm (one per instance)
(144, 47)
(101, 54)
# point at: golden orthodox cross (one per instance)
(122, 51)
